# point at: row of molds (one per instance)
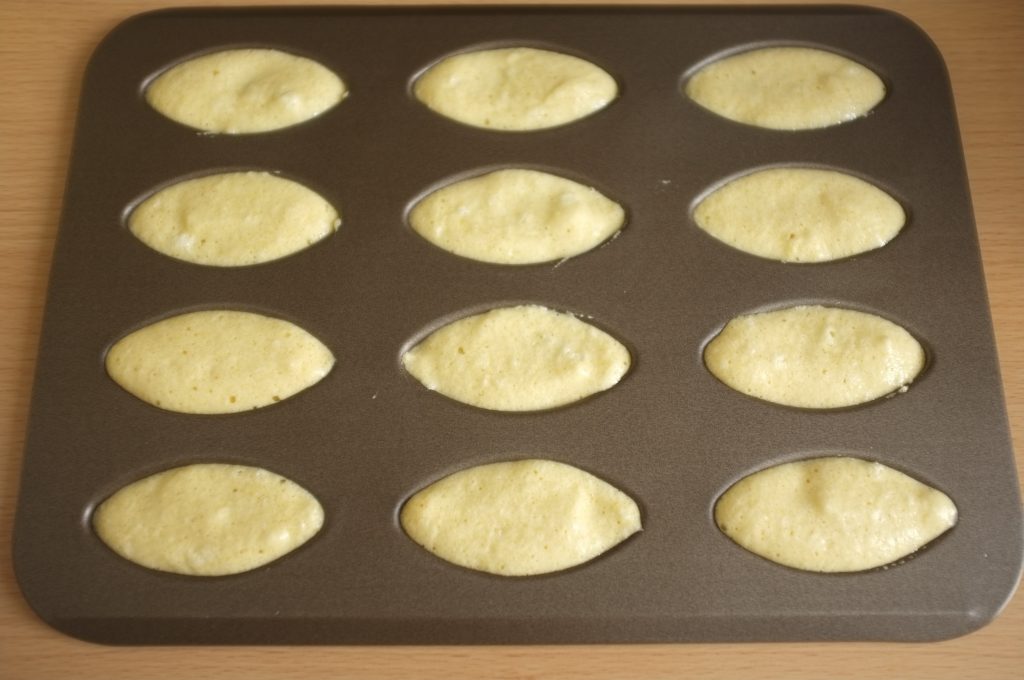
(245, 91)
(515, 359)
(518, 216)
(525, 517)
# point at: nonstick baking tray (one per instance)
(368, 436)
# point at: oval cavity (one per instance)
(233, 219)
(801, 215)
(245, 91)
(523, 358)
(515, 88)
(516, 217)
(786, 88)
(217, 361)
(833, 514)
(208, 519)
(814, 357)
(520, 518)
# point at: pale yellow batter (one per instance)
(517, 217)
(800, 215)
(787, 88)
(208, 519)
(523, 358)
(245, 91)
(515, 88)
(233, 219)
(814, 356)
(217, 361)
(833, 514)
(520, 518)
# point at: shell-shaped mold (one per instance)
(217, 361)
(520, 518)
(233, 219)
(800, 215)
(515, 88)
(812, 356)
(208, 519)
(786, 88)
(522, 358)
(516, 216)
(245, 91)
(833, 514)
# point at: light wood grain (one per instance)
(44, 47)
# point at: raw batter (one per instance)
(520, 518)
(801, 215)
(208, 519)
(523, 358)
(833, 514)
(517, 217)
(245, 91)
(217, 361)
(787, 88)
(515, 88)
(814, 356)
(233, 219)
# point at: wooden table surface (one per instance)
(44, 45)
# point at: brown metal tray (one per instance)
(368, 436)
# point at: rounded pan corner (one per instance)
(128, 26)
(908, 24)
(26, 579)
